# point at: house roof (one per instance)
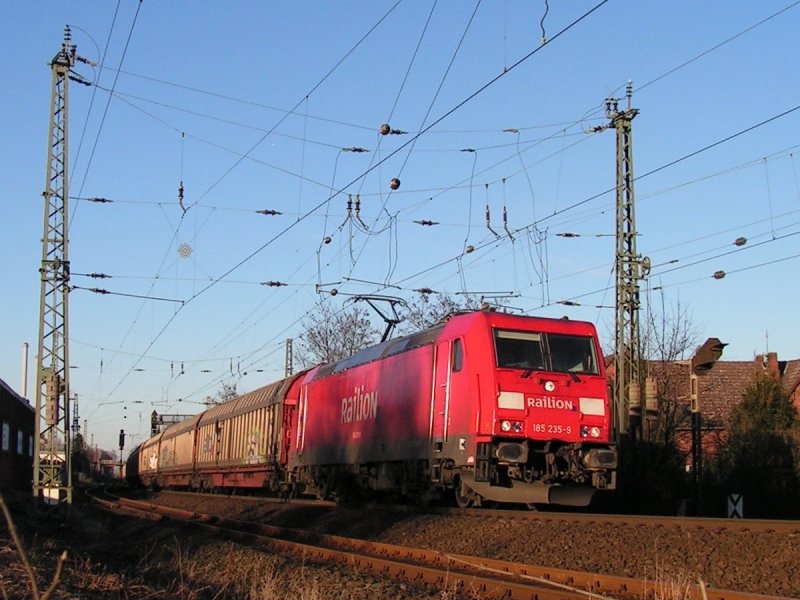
(721, 389)
(791, 376)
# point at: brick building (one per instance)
(718, 391)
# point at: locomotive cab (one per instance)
(541, 414)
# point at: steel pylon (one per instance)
(52, 468)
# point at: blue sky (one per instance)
(250, 105)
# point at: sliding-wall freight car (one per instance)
(486, 406)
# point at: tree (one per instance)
(765, 407)
(332, 334)
(652, 473)
(758, 457)
(228, 392)
(430, 309)
(671, 335)
(81, 465)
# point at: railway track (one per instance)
(480, 577)
(685, 523)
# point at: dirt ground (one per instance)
(112, 557)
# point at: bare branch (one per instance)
(56, 577)
(331, 334)
(20, 550)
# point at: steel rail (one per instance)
(681, 522)
(487, 577)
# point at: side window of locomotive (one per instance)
(456, 356)
(518, 349)
(572, 353)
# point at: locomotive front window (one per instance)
(519, 349)
(545, 352)
(572, 353)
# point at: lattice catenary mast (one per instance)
(631, 268)
(52, 472)
(289, 366)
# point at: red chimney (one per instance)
(768, 364)
(772, 365)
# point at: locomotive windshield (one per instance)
(545, 352)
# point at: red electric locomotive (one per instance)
(493, 406)
(487, 405)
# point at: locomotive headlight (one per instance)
(549, 386)
(590, 432)
(512, 426)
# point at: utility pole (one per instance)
(631, 268)
(52, 469)
(160, 422)
(76, 420)
(289, 366)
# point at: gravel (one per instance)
(744, 561)
(120, 558)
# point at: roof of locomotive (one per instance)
(458, 322)
(382, 350)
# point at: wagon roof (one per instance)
(264, 396)
(179, 428)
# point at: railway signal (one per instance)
(703, 360)
(706, 356)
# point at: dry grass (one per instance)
(672, 585)
(26, 565)
(112, 558)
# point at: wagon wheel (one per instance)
(465, 497)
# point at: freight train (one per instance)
(485, 406)
(17, 425)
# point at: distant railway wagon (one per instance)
(17, 427)
(484, 406)
(242, 443)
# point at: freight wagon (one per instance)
(485, 406)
